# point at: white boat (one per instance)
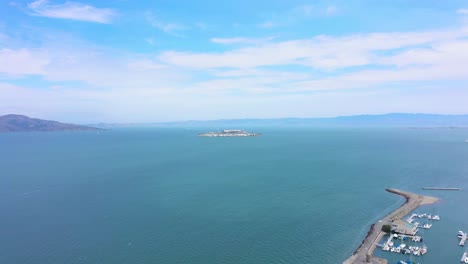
(464, 258)
(461, 234)
(436, 217)
(427, 226)
(423, 250)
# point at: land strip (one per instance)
(365, 251)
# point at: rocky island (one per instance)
(229, 133)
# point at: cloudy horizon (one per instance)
(91, 61)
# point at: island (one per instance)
(21, 123)
(364, 254)
(229, 133)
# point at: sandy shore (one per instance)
(365, 251)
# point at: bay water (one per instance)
(165, 195)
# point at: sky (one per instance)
(91, 61)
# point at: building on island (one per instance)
(229, 133)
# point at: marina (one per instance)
(364, 254)
(402, 247)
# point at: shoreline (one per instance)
(364, 253)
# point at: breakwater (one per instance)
(441, 188)
(364, 254)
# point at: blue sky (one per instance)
(133, 61)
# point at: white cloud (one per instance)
(240, 40)
(257, 75)
(321, 52)
(145, 65)
(167, 27)
(23, 61)
(72, 10)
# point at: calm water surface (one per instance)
(158, 195)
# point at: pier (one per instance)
(463, 236)
(441, 188)
(364, 254)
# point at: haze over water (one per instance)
(160, 195)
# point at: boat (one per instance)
(436, 217)
(464, 258)
(423, 250)
(461, 234)
(427, 226)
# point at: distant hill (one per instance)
(20, 123)
(385, 120)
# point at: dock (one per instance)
(441, 188)
(463, 238)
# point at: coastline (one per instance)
(364, 253)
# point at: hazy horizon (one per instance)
(392, 119)
(91, 61)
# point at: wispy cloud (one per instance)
(166, 27)
(462, 11)
(23, 61)
(150, 41)
(72, 10)
(266, 24)
(322, 52)
(201, 25)
(307, 9)
(297, 14)
(254, 69)
(331, 10)
(240, 40)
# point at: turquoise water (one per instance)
(159, 195)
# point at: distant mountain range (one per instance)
(385, 120)
(17, 123)
(21, 123)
